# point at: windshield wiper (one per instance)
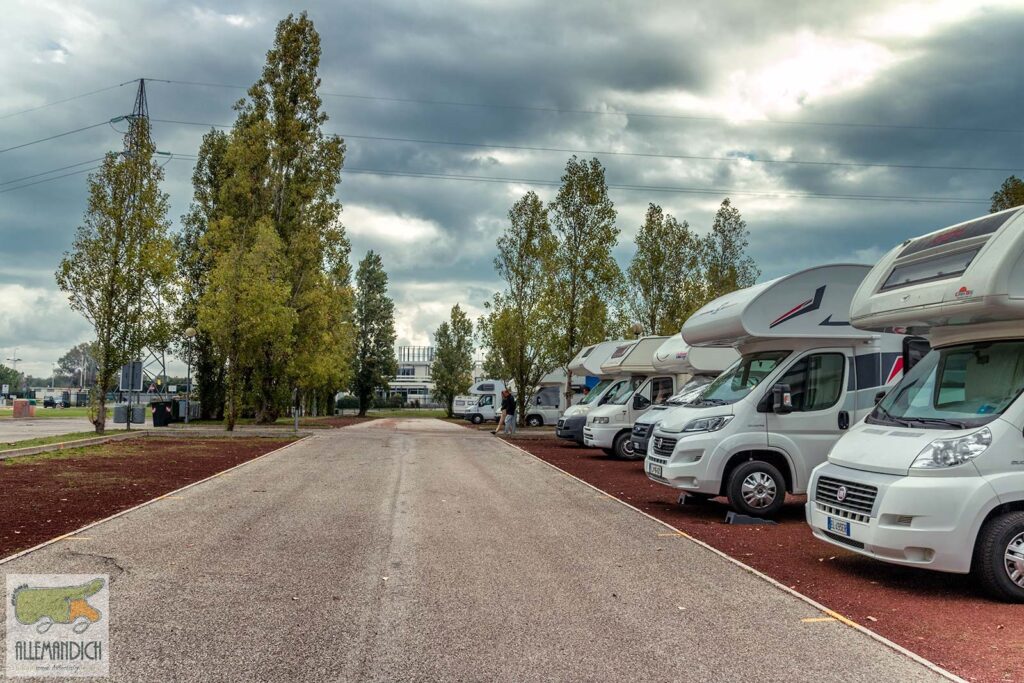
(939, 421)
(895, 420)
(711, 401)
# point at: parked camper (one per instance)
(587, 363)
(487, 404)
(461, 403)
(608, 427)
(934, 476)
(548, 402)
(699, 364)
(804, 376)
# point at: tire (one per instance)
(534, 421)
(757, 488)
(477, 419)
(623, 447)
(1001, 539)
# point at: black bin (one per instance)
(162, 413)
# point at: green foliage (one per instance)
(725, 264)
(122, 261)
(585, 281)
(516, 331)
(452, 369)
(10, 377)
(374, 319)
(78, 358)
(1009, 194)
(667, 257)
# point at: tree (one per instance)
(79, 360)
(374, 320)
(121, 262)
(585, 281)
(11, 377)
(725, 264)
(195, 261)
(666, 258)
(452, 369)
(516, 330)
(1009, 195)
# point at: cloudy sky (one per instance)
(785, 106)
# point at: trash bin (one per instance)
(162, 413)
(138, 415)
(120, 415)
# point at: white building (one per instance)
(413, 380)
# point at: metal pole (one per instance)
(188, 382)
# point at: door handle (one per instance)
(844, 419)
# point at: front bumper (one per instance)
(687, 465)
(600, 436)
(571, 428)
(919, 521)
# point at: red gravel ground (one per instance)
(49, 495)
(942, 617)
(333, 422)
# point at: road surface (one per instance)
(420, 550)
(12, 430)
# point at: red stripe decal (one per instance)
(791, 311)
(897, 368)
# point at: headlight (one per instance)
(600, 420)
(704, 424)
(952, 452)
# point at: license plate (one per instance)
(839, 526)
(654, 469)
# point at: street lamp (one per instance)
(14, 361)
(190, 334)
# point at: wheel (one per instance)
(534, 421)
(477, 419)
(999, 557)
(623, 447)
(757, 488)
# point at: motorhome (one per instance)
(608, 427)
(548, 402)
(487, 404)
(804, 376)
(588, 363)
(461, 403)
(934, 476)
(697, 365)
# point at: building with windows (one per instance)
(413, 381)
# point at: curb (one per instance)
(22, 553)
(934, 668)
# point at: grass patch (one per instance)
(98, 451)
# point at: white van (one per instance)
(700, 363)
(487, 404)
(587, 363)
(934, 476)
(460, 404)
(548, 401)
(804, 376)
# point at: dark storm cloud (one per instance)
(437, 236)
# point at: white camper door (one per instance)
(818, 381)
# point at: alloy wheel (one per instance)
(758, 490)
(1014, 557)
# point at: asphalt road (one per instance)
(12, 430)
(419, 550)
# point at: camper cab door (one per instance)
(654, 392)
(486, 406)
(818, 412)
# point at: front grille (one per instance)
(641, 430)
(561, 422)
(657, 461)
(663, 446)
(858, 497)
(843, 539)
(844, 514)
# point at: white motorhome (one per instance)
(460, 404)
(487, 404)
(588, 363)
(548, 401)
(934, 476)
(804, 376)
(700, 363)
(608, 427)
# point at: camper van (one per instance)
(461, 403)
(587, 363)
(487, 404)
(934, 476)
(548, 402)
(608, 427)
(701, 364)
(804, 376)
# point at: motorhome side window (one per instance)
(485, 388)
(937, 268)
(816, 381)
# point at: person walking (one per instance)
(509, 408)
(503, 415)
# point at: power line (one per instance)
(646, 155)
(53, 170)
(46, 180)
(653, 188)
(60, 135)
(66, 99)
(598, 112)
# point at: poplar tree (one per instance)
(452, 369)
(585, 282)
(374, 319)
(726, 266)
(666, 258)
(121, 263)
(1009, 195)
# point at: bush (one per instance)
(347, 403)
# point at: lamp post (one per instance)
(190, 334)
(14, 366)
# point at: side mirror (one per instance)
(782, 399)
(639, 402)
(879, 396)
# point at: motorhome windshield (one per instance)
(741, 378)
(690, 391)
(621, 387)
(595, 392)
(956, 387)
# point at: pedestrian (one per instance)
(509, 408)
(502, 415)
